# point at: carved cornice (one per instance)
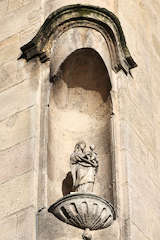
(79, 15)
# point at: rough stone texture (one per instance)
(16, 160)
(84, 211)
(135, 104)
(9, 49)
(17, 194)
(11, 20)
(79, 38)
(50, 6)
(19, 86)
(20, 226)
(139, 111)
(17, 128)
(26, 224)
(77, 15)
(8, 228)
(14, 72)
(22, 96)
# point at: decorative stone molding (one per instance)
(84, 210)
(87, 16)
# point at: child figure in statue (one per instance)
(84, 167)
(92, 156)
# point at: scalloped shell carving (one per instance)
(84, 210)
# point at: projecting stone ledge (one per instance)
(79, 15)
(85, 211)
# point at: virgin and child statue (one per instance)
(84, 166)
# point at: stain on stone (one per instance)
(11, 121)
(156, 44)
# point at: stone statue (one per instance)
(77, 209)
(84, 166)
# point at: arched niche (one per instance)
(53, 163)
(73, 40)
(80, 108)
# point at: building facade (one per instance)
(91, 73)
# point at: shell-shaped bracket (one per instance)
(84, 211)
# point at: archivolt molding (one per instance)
(87, 16)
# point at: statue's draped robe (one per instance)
(82, 172)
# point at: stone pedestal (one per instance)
(85, 211)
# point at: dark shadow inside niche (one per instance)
(86, 69)
(67, 184)
(80, 109)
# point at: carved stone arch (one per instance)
(59, 54)
(87, 16)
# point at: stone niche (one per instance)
(80, 108)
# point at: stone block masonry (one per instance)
(137, 108)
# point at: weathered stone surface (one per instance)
(93, 17)
(19, 226)
(28, 71)
(14, 72)
(136, 233)
(51, 6)
(141, 124)
(137, 106)
(79, 38)
(17, 128)
(8, 73)
(16, 160)
(27, 34)
(9, 228)
(16, 4)
(146, 215)
(17, 194)
(13, 5)
(95, 212)
(143, 197)
(17, 98)
(17, 16)
(146, 188)
(26, 224)
(3, 8)
(9, 49)
(84, 167)
(144, 159)
(46, 221)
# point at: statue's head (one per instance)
(92, 147)
(80, 146)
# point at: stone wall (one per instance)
(136, 109)
(19, 87)
(139, 112)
